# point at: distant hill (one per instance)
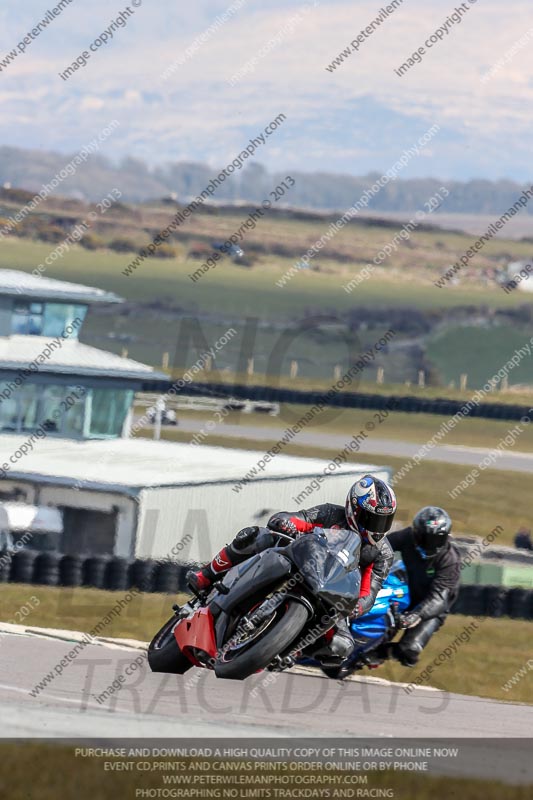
(30, 169)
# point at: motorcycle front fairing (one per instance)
(328, 562)
(260, 574)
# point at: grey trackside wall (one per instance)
(191, 523)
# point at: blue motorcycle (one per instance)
(378, 626)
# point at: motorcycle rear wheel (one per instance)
(164, 654)
(241, 661)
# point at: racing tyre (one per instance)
(164, 654)
(251, 652)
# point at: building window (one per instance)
(109, 408)
(64, 411)
(55, 409)
(27, 319)
(46, 319)
(61, 411)
(58, 317)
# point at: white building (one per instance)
(138, 498)
(42, 363)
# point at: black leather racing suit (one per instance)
(433, 586)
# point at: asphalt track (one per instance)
(199, 705)
(451, 454)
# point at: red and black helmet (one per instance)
(370, 507)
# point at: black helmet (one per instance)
(431, 527)
(370, 507)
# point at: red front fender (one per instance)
(197, 633)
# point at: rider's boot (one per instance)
(243, 546)
(335, 646)
(204, 578)
(381, 653)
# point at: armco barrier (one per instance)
(408, 404)
(119, 574)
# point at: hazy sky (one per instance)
(354, 120)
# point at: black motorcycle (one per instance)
(266, 611)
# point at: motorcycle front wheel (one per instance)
(164, 654)
(251, 651)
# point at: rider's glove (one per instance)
(357, 612)
(409, 620)
(283, 524)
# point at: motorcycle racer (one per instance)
(369, 510)
(433, 571)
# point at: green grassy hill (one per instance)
(434, 327)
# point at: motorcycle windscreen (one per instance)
(328, 563)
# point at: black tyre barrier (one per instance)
(47, 569)
(23, 566)
(167, 577)
(70, 571)
(518, 603)
(182, 572)
(5, 566)
(94, 571)
(116, 574)
(406, 404)
(495, 601)
(141, 575)
(530, 606)
(459, 607)
(409, 404)
(472, 600)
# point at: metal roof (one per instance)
(24, 284)
(71, 358)
(126, 465)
